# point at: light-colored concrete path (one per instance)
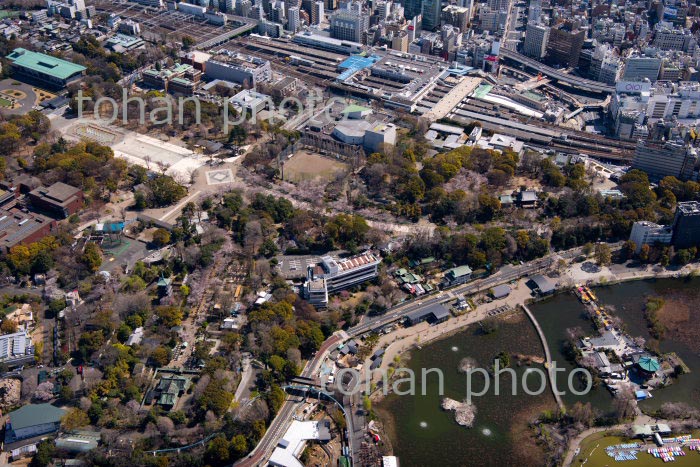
(547, 355)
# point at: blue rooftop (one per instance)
(358, 62)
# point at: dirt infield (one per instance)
(305, 165)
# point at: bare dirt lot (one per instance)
(305, 165)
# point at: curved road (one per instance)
(279, 425)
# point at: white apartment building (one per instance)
(294, 20)
(331, 275)
(536, 38)
(649, 233)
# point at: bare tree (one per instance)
(165, 425)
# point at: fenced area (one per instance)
(305, 165)
(96, 133)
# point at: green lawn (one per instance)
(593, 454)
(5, 103)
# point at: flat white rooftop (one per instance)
(293, 442)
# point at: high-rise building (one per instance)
(457, 16)
(414, 28)
(431, 14)
(605, 65)
(412, 8)
(269, 28)
(469, 5)
(492, 20)
(277, 13)
(564, 45)
(649, 233)
(294, 20)
(348, 25)
(384, 10)
(661, 159)
(244, 8)
(536, 38)
(686, 225)
(534, 11)
(317, 13)
(258, 11)
(400, 42)
(639, 67)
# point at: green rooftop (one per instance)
(46, 64)
(649, 364)
(355, 108)
(459, 271)
(537, 97)
(482, 91)
(35, 414)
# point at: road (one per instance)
(582, 83)
(284, 417)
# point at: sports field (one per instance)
(305, 165)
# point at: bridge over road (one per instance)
(553, 73)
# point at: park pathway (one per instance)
(548, 356)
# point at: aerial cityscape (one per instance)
(352, 233)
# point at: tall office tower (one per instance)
(290, 4)
(536, 38)
(564, 45)
(456, 16)
(686, 225)
(414, 28)
(228, 5)
(534, 11)
(277, 13)
(660, 159)
(348, 25)
(258, 11)
(306, 6)
(431, 12)
(411, 8)
(469, 4)
(383, 10)
(317, 13)
(331, 4)
(294, 19)
(244, 8)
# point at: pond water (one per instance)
(424, 435)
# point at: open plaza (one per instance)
(146, 151)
